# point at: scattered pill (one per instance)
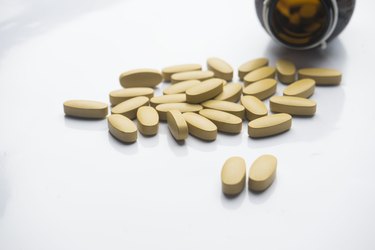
(167, 72)
(181, 87)
(286, 71)
(301, 88)
(229, 107)
(321, 76)
(225, 122)
(122, 128)
(262, 173)
(182, 107)
(192, 75)
(231, 93)
(177, 125)
(200, 126)
(221, 68)
(120, 95)
(148, 120)
(86, 109)
(154, 101)
(141, 78)
(205, 91)
(251, 65)
(259, 74)
(261, 89)
(269, 125)
(292, 105)
(233, 176)
(129, 107)
(254, 108)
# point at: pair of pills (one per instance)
(261, 174)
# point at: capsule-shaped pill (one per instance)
(262, 173)
(120, 95)
(176, 98)
(129, 107)
(122, 128)
(148, 120)
(229, 107)
(233, 176)
(292, 105)
(205, 91)
(254, 108)
(181, 87)
(231, 93)
(225, 122)
(259, 74)
(251, 65)
(182, 107)
(261, 89)
(86, 109)
(221, 68)
(301, 88)
(141, 78)
(321, 76)
(192, 75)
(200, 126)
(177, 125)
(167, 72)
(269, 125)
(286, 71)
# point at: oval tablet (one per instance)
(231, 93)
(177, 125)
(148, 120)
(233, 174)
(229, 107)
(182, 107)
(141, 78)
(167, 72)
(180, 87)
(120, 95)
(254, 107)
(262, 173)
(200, 126)
(221, 68)
(154, 101)
(261, 89)
(301, 88)
(225, 122)
(286, 71)
(292, 105)
(205, 91)
(192, 75)
(129, 107)
(259, 74)
(321, 76)
(269, 125)
(251, 65)
(86, 109)
(122, 128)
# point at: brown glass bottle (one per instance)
(304, 24)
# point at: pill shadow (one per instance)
(148, 141)
(201, 145)
(263, 196)
(228, 139)
(232, 202)
(179, 148)
(85, 124)
(122, 147)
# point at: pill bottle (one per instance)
(304, 24)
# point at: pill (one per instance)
(321, 76)
(205, 91)
(120, 95)
(259, 74)
(231, 93)
(181, 87)
(182, 107)
(141, 78)
(262, 173)
(221, 68)
(292, 105)
(122, 128)
(86, 109)
(177, 125)
(167, 72)
(301, 88)
(254, 108)
(229, 107)
(233, 176)
(261, 89)
(269, 125)
(192, 75)
(148, 120)
(251, 65)
(200, 126)
(154, 101)
(286, 71)
(225, 122)
(129, 107)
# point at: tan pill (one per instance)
(231, 93)
(262, 173)
(205, 91)
(181, 87)
(176, 98)
(229, 107)
(148, 120)
(321, 76)
(292, 105)
(167, 72)
(177, 125)
(122, 128)
(254, 108)
(129, 107)
(120, 95)
(221, 68)
(259, 74)
(192, 75)
(251, 65)
(233, 175)
(269, 125)
(141, 78)
(286, 71)
(182, 107)
(261, 89)
(301, 88)
(225, 122)
(200, 126)
(86, 109)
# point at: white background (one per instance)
(67, 184)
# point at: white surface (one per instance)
(67, 184)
